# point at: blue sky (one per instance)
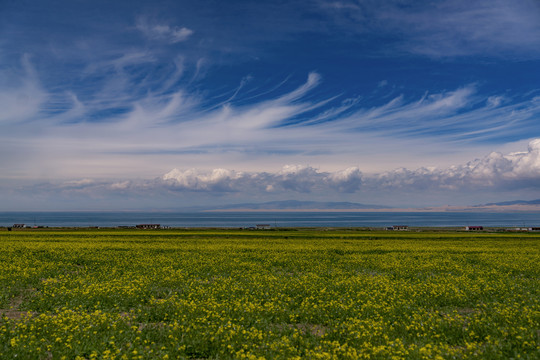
(165, 104)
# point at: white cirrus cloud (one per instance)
(164, 32)
(151, 125)
(22, 96)
(446, 28)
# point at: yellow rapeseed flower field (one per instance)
(290, 294)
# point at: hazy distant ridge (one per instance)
(515, 202)
(300, 205)
(297, 205)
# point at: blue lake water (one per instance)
(279, 219)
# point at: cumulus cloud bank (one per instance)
(221, 180)
(511, 173)
(495, 170)
(291, 178)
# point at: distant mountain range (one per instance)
(299, 205)
(296, 205)
(504, 206)
(515, 202)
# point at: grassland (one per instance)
(223, 294)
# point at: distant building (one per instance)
(399, 228)
(148, 226)
(518, 229)
(262, 226)
(534, 229)
(18, 226)
(474, 228)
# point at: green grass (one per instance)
(224, 294)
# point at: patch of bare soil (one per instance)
(12, 311)
(313, 329)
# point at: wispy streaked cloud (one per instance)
(21, 93)
(164, 32)
(149, 118)
(228, 94)
(447, 28)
